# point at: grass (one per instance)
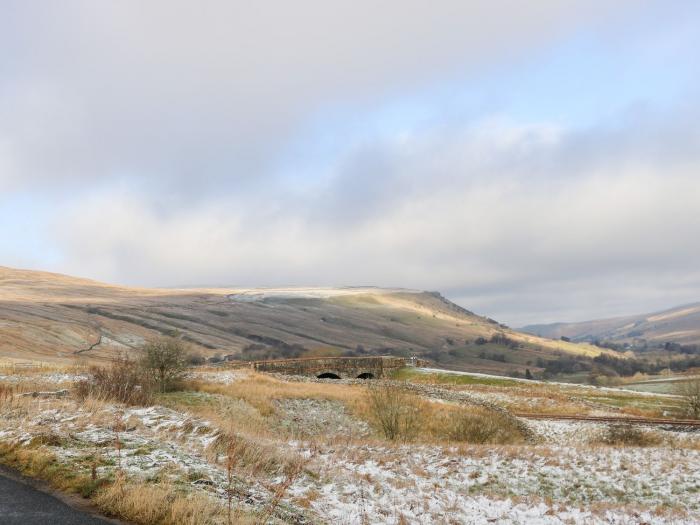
(36, 462)
(161, 504)
(246, 415)
(410, 374)
(139, 502)
(543, 397)
(260, 391)
(230, 406)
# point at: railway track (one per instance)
(617, 419)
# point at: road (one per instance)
(22, 504)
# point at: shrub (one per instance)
(124, 381)
(484, 426)
(690, 392)
(196, 359)
(624, 434)
(165, 361)
(395, 411)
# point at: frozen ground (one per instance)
(153, 443)
(42, 378)
(422, 484)
(545, 383)
(353, 479)
(221, 378)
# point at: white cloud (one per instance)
(497, 216)
(193, 96)
(156, 132)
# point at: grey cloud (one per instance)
(158, 128)
(476, 224)
(190, 97)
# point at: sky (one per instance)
(533, 161)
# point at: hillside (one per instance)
(679, 325)
(52, 317)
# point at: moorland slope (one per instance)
(52, 317)
(678, 325)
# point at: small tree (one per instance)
(165, 360)
(690, 392)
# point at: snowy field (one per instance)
(570, 482)
(564, 477)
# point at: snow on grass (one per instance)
(425, 484)
(573, 386)
(564, 479)
(143, 443)
(51, 378)
(220, 378)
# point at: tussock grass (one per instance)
(260, 391)
(160, 504)
(393, 413)
(36, 462)
(253, 457)
(139, 502)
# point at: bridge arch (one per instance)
(328, 375)
(366, 375)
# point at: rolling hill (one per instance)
(52, 317)
(678, 325)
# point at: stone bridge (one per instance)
(337, 367)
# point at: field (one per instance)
(299, 450)
(659, 385)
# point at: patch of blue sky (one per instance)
(585, 79)
(23, 236)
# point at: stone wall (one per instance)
(342, 367)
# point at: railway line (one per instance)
(690, 423)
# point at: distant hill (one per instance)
(45, 316)
(678, 325)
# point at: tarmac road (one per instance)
(22, 504)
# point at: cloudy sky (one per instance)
(534, 161)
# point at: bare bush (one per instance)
(195, 359)
(624, 434)
(124, 381)
(396, 411)
(484, 426)
(690, 392)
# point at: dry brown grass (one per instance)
(36, 462)
(434, 422)
(160, 504)
(254, 457)
(261, 391)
